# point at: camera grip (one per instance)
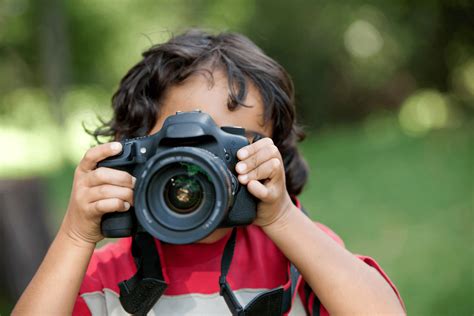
(243, 211)
(117, 224)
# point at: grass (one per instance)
(407, 202)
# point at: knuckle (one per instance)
(95, 207)
(119, 176)
(88, 155)
(102, 190)
(257, 173)
(269, 151)
(255, 162)
(250, 149)
(90, 209)
(118, 204)
(274, 150)
(273, 194)
(276, 163)
(255, 146)
(121, 192)
(264, 194)
(101, 174)
(126, 178)
(253, 174)
(268, 140)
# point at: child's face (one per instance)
(197, 93)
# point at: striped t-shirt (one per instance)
(192, 274)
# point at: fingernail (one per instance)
(241, 167)
(116, 146)
(127, 205)
(243, 177)
(243, 154)
(133, 181)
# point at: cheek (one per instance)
(157, 127)
(162, 115)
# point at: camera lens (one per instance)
(183, 194)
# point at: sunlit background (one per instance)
(384, 89)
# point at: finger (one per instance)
(258, 189)
(109, 205)
(264, 154)
(270, 169)
(267, 192)
(108, 191)
(105, 175)
(98, 153)
(251, 149)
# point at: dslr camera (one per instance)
(186, 181)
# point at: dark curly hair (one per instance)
(136, 103)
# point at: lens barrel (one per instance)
(183, 194)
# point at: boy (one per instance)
(232, 80)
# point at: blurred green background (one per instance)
(384, 89)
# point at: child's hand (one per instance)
(262, 161)
(96, 192)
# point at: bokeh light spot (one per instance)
(362, 39)
(423, 111)
(468, 76)
(29, 151)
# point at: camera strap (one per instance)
(272, 302)
(140, 293)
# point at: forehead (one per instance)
(211, 95)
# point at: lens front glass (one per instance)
(183, 193)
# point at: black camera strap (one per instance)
(140, 293)
(272, 302)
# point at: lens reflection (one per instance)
(183, 193)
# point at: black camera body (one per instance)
(186, 181)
